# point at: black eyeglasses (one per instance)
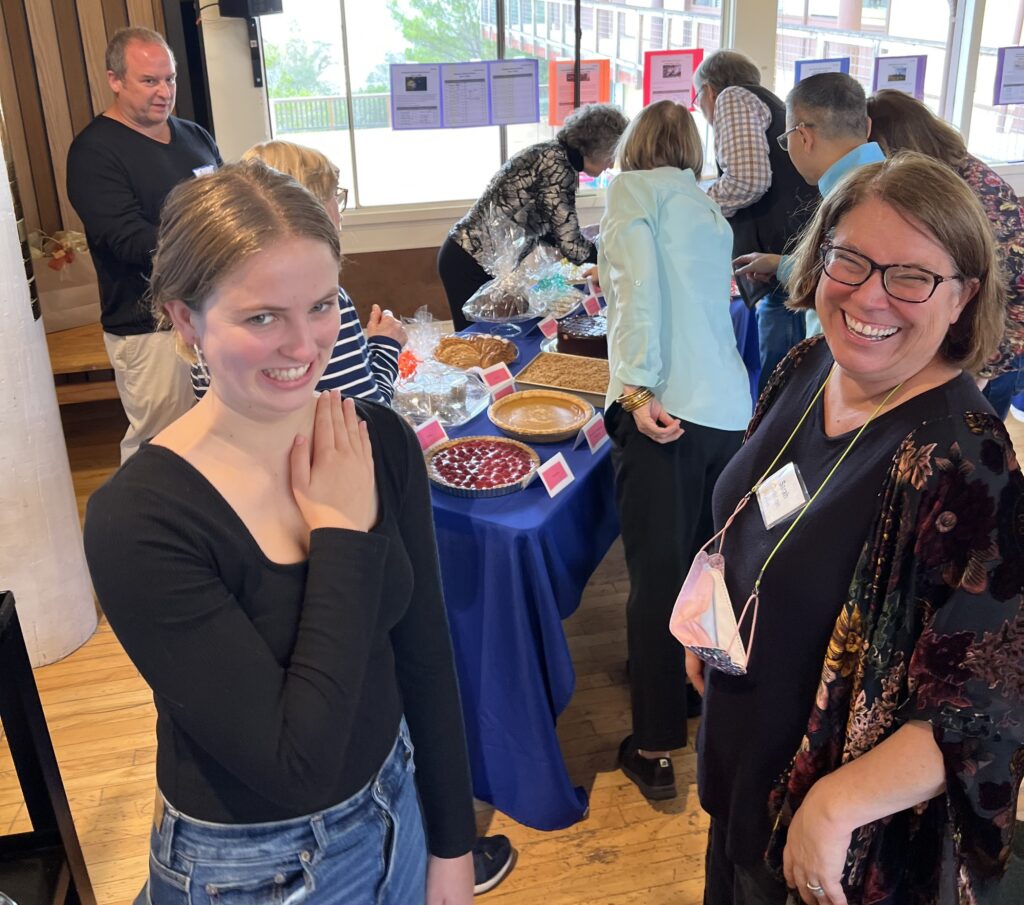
(341, 196)
(783, 139)
(902, 281)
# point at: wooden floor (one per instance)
(101, 718)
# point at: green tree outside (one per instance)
(297, 68)
(442, 31)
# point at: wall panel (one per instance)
(54, 97)
(72, 62)
(19, 42)
(94, 45)
(15, 129)
(140, 12)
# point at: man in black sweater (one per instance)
(758, 188)
(120, 169)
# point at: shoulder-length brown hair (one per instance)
(900, 122)
(661, 135)
(931, 195)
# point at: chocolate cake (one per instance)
(584, 335)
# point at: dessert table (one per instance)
(513, 567)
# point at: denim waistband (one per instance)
(200, 840)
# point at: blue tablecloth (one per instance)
(513, 568)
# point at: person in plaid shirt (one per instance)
(758, 189)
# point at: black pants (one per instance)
(461, 276)
(663, 494)
(728, 883)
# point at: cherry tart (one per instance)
(481, 466)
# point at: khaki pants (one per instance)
(152, 381)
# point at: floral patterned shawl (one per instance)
(933, 630)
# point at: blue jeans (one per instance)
(1001, 390)
(778, 330)
(368, 850)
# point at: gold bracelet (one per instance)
(625, 397)
(635, 400)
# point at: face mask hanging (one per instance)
(703, 619)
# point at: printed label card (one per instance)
(548, 326)
(555, 475)
(430, 433)
(594, 432)
(592, 305)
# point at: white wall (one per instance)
(240, 114)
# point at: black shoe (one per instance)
(493, 858)
(655, 777)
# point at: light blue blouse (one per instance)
(664, 261)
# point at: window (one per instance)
(863, 30)
(997, 133)
(310, 99)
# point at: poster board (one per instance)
(668, 75)
(1009, 87)
(464, 95)
(804, 69)
(904, 74)
(595, 86)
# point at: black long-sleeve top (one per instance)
(117, 181)
(279, 687)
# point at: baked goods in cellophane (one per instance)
(516, 263)
(426, 387)
(481, 466)
(557, 288)
(475, 350)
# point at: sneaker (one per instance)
(655, 777)
(493, 858)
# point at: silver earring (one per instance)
(204, 371)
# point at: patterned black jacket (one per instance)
(536, 188)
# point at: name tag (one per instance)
(781, 495)
(204, 171)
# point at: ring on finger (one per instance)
(815, 890)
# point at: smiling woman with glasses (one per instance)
(887, 530)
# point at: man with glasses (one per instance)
(758, 189)
(826, 137)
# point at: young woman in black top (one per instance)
(268, 563)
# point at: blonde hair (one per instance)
(307, 166)
(930, 194)
(211, 225)
(661, 135)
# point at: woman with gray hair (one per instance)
(536, 188)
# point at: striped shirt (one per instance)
(358, 367)
(741, 121)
